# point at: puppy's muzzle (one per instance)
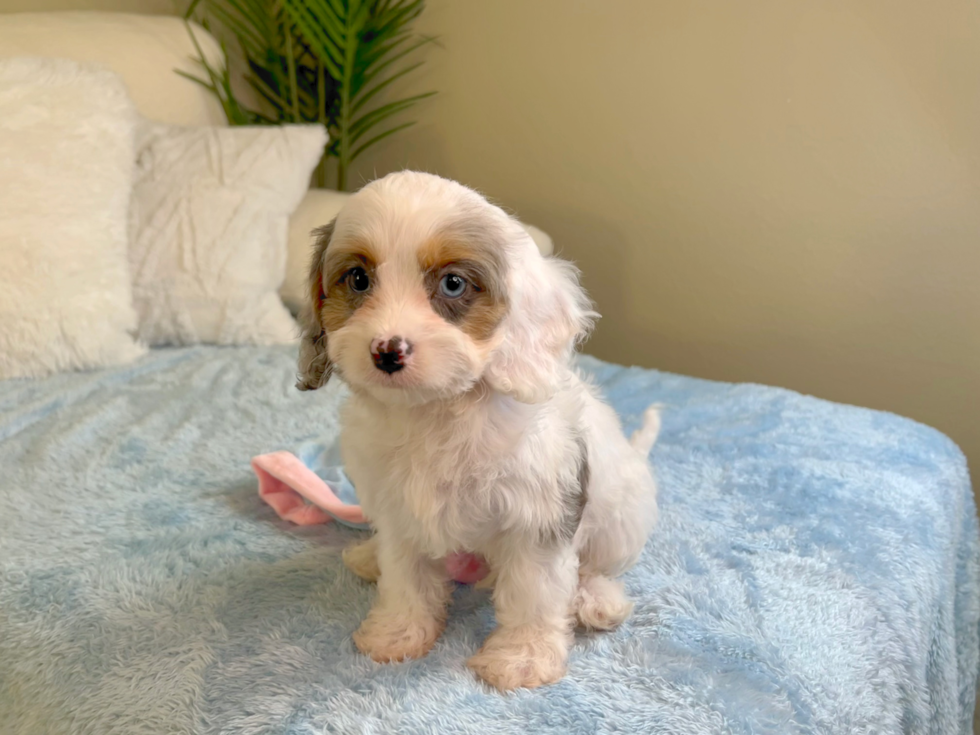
(390, 354)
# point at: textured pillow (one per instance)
(66, 164)
(208, 228)
(318, 207)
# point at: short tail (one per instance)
(645, 437)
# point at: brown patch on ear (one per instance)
(314, 364)
(481, 308)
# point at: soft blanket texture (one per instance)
(815, 571)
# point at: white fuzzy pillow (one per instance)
(208, 228)
(66, 163)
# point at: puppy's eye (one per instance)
(358, 279)
(452, 286)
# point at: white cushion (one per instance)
(319, 207)
(144, 50)
(208, 228)
(66, 162)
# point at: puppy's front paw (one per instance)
(522, 657)
(391, 637)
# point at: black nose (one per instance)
(390, 362)
(389, 355)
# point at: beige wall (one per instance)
(146, 7)
(782, 192)
(770, 191)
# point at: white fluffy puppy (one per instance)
(467, 428)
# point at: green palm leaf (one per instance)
(323, 61)
(367, 121)
(360, 149)
(365, 97)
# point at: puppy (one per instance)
(467, 428)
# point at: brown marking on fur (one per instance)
(314, 365)
(483, 305)
(332, 302)
(584, 478)
(336, 300)
(574, 498)
(339, 301)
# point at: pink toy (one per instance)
(297, 494)
(285, 483)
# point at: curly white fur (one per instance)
(490, 444)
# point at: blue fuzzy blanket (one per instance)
(815, 571)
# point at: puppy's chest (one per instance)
(459, 484)
(446, 477)
(449, 490)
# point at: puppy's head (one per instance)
(421, 288)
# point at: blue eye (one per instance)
(452, 286)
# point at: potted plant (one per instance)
(316, 61)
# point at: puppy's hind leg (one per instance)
(600, 603)
(362, 559)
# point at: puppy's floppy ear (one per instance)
(314, 364)
(549, 314)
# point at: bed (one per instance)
(816, 570)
